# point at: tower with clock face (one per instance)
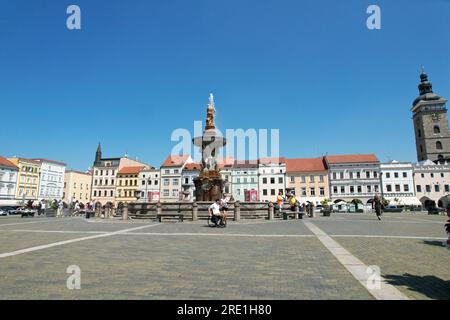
(430, 124)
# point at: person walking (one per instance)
(377, 203)
(43, 208)
(280, 201)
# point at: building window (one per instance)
(419, 188)
(436, 188)
(428, 188)
(186, 180)
(352, 189)
(447, 188)
(359, 189)
(303, 191)
(438, 145)
(95, 193)
(437, 129)
(292, 179)
(322, 191)
(367, 174)
(165, 192)
(272, 192)
(369, 189)
(321, 178)
(176, 171)
(341, 175)
(397, 188)
(388, 175)
(264, 180)
(358, 175)
(272, 180)
(166, 182)
(175, 182)
(376, 188)
(342, 189)
(311, 178)
(405, 175)
(335, 189)
(334, 175)
(312, 191)
(264, 192)
(280, 179)
(419, 133)
(166, 171)
(406, 187)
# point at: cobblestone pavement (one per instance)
(248, 260)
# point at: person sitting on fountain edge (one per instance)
(214, 210)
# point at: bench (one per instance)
(172, 215)
(286, 214)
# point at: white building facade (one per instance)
(149, 185)
(8, 179)
(271, 178)
(244, 177)
(171, 174)
(51, 181)
(397, 182)
(189, 173)
(432, 184)
(353, 177)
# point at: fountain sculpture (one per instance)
(209, 184)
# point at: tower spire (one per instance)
(98, 154)
(425, 86)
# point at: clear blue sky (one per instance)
(140, 69)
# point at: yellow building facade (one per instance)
(27, 187)
(77, 186)
(127, 184)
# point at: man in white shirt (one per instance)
(214, 209)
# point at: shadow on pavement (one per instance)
(430, 286)
(434, 243)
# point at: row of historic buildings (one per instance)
(31, 179)
(340, 178)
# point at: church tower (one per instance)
(430, 123)
(98, 155)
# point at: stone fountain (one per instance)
(209, 184)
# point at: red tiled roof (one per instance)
(6, 163)
(193, 166)
(226, 162)
(305, 165)
(48, 160)
(245, 164)
(88, 173)
(352, 158)
(175, 161)
(131, 170)
(272, 160)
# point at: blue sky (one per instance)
(140, 69)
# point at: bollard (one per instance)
(158, 208)
(237, 211)
(271, 214)
(125, 212)
(194, 211)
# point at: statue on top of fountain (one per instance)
(210, 113)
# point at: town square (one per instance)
(225, 151)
